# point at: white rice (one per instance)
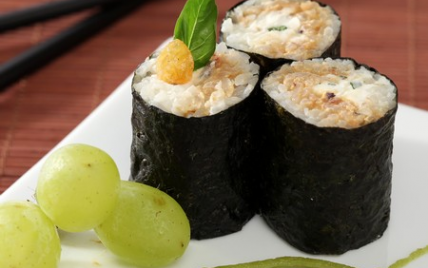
(225, 81)
(310, 28)
(331, 93)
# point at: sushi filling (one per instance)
(331, 93)
(227, 79)
(292, 29)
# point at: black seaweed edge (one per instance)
(387, 120)
(243, 191)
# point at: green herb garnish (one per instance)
(196, 27)
(356, 84)
(277, 28)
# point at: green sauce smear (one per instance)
(299, 262)
(413, 256)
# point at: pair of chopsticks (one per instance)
(39, 55)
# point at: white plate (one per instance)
(109, 128)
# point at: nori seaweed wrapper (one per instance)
(326, 190)
(268, 64)
(205, 163)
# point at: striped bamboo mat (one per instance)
(38, 111)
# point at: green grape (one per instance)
(78, 187)
(27, 237)
(148, 227)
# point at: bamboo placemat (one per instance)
(38, 111)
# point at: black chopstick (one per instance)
(43, 53)
(46, 11)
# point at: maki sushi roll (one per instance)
(275, 31)
(329, 126)
(193, 140)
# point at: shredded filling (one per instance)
(226, 80)
(294, 29)
(331, 93)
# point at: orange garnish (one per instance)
(175, 63)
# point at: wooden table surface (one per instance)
(41, 109)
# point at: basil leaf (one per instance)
(196, 27)
(277, 28)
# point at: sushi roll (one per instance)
(275, 31)
(329, 126)
(194, 140)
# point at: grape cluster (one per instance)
(79, 189)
